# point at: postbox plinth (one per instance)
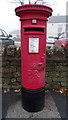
(33, 100)
(33, 54)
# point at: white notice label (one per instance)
(33, 45)
(34, 21)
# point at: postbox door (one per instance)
(33, 64)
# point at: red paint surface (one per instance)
(33, 64)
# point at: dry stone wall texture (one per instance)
(56, 68)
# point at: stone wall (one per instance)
(11, 68)
(56, 68)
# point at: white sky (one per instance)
(9, 21)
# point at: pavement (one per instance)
(55, 106)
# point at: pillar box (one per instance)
(33, 54)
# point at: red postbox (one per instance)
(33, 54)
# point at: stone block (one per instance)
(6, 86)
(64, 84)
(54, 74)
(63, 74)
(49, 69)
(53, 85)
(18, 52)
(49, 79)
(15, 63)
(19, 79)
(47, 74)
(13, 80)
(16, 86)
(61, 68)
(2, 50)
(59, 79)
(11, 50)
(5, 63)
(9, 69)
(7, 75)
(17, 74)
(6, 81)
(18, 69)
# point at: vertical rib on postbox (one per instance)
(33, 54)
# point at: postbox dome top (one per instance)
(33, 7)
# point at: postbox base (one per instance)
(33, 100)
